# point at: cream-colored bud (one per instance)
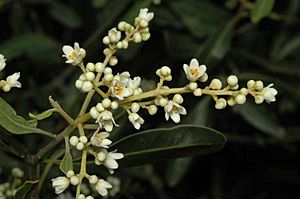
(234, 87)
(106, 51)
(244, 91)
(240, 99)
(108, 77)
(125, 44)
(90, 76)
(259, 99)
(215, 84)
(158, 72)
(197, 92)
(165, 71)
(87, 86)
(74, 140)
(106, 103)
(114, 105)
(203, 78)
(93, 179)
(70, 173)
(163, 102)
(82, 77)
(220, 103)
(81, 196)
(113, 61)
(90, 66)
(105, 40)
(79, 146)
(89, 197)
(6, 88)
(169, 78)
(100, 107)
(178, 98)
(137, 38)
(78, 83)
(82, 52)
(193, 86)
(259, 85)
(152, 109)
(231, 101)
(250, 83)
(74, 180)
(120, 45)
(146, 36)
(144, 30)
(94, 113)
(143, 23)
(83, 139)
(121, 25)
(99, 67)
(135, 107)
(232, 80)
(107, 71)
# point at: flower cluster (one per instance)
(9, 189)
(11, 81)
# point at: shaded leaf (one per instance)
(16, 124)
(24, 190)
(160, 144)
(67, 163)
(262, 8)
(41, 116)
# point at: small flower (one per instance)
(136, 120)
(102, 186)
(193, 72)
(145, 15)
(114, 35)
(99, 139)
(108, 159)
(106, 120)
(134, 85)
(12, 81)
(2, 62)
(120, 89)
(60, 184)
(174, 110)
(74, 55)
(269, 93)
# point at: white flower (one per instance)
(145, 15)
(60, 184)
(174, 110)
(120, 89)
(269, 93)
(108, 159)
(12, 81)
(136, 120)
(114, 35)
(74, 55)
(101, 187)
(2, 62)
(99, 139)
(134, 85)
(106, 120)
(194, 71)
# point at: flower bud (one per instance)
(17, 172)
(107, 71)
(90, 66)
(244, 91)
(90, 76)
(83, 139)
(70, 173)
(108, 77)
(163, 102)
(193, 86)
(74, 140)
(240, 99)
(250, 83)
(220, 103)
(178, 98)
(137, 38)
(93, 179)
(215, 84)
(79, 146)
(125, 44)
(259, 85)
(120, 45)
(168, 78)
(74, 180)
(121, 25)
(99, 67)
(259, 99)
(135, 107)
(114, 105)
(87, 86)
(197, 92)
(165, 71)
(106, 103)
(232, 80)
(146, 36)
(152, 109)
(113, 61)
(81, 196)
(89, 197)
(100, 107)
(203, 78)
(105, 40)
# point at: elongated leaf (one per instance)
(262, 8)
(261, 119)
(23, 191)
(160, 144)
(41, 116)
(67, 162)
(16, 124)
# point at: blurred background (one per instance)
(257, 40)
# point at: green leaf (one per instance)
(262, 8)
(23, 191)
(160, 144)
(260, 118)
(67, 163)
(64, 14)
(43, 115)
(16, 124)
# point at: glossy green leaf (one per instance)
(41, 116)
(24, 190)
(160, 144)
(262, 8)
(16, 124)
(67, 163)
(261, 119)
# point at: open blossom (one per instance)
(114, 35)
(194, 71)
(60, 184)
(11, 81)
(108, 159)
(106, 120)
(101, 187)
(99, 139)
(134, 85)
(145, 15)
(136, 120)
(269, 93)
(74, 55)
(174, 110)
(2, 62)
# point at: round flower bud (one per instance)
(250, 83)
(158, 72)
(83, 139)
(107, 71)
(79, 146)
(121, 25)
(78, 83)
(135, 107)
(231, 101)
(81, 196)
(82, 52)
(143, 23)
(193, 86)
(120, 45)
(125, 44)
(106, 51)
(94, 113)
(220, 103)
(100, 107)
(114, 105)
(168, 78)
(101, 156)
(105, 40)
(244, 91)
(240, 99)
(74, 180)
(82, 77)
(259, 85)
(152, 109)
(17, 172)
(89, 197)
(203, 78)
(137, 38)
(6, 88)
(163, 102)
(87, 86)
(197, 92)
(90, 76)
(93, 179)
(178, 98)
(232, 80)
(165, 71)
(215, 84)
(70, 173)
(99, 67)
(74, 140)
(106, 103)
(90, 66)
(259, 99)
(234, 87)
(113, 61)
(108, 77)
(146, 36)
